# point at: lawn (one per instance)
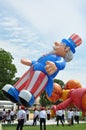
(81, 126)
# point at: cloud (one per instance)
(28, 29)
(61, 18)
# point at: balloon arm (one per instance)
(26, 62)
(63, 105)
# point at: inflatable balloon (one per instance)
(56, 93)
(77, 97)
(73, 84)
(69, 96)
(62, 94)
(40, 75)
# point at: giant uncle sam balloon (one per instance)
(41, 73)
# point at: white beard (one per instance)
(69, 56)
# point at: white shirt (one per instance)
(69, 113)
(12, 113)
(59, 112)
(27, 111)
(36, 113)
(77, 113)
(8, 116)
(42, 114)
(21, 115)
(3, 113)
(48, 111)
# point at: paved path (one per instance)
(48, 122)
(51, 121)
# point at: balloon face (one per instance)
(72, 84)
(56, 94)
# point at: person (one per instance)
(59, 117)
(4, 115)
(21, 117)
(72, 114)
(35, 117)
(42, 71)
(12, 114)
(8, 117)
(42, 118)
(48, 114)
(76, 115)
(27, 113)
(69, 116)
(63, 115)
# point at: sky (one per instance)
(29, 28)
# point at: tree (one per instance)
(60, 82)
(43, 100)
(7, 69)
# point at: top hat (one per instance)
(73, 41)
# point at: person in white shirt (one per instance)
(69, 116)
(12, 114)
(27, 113)
(72, 119)
(42, 117)
(3, 115)
(8, 117)
(48, 114)
(59, 117)
(76, 115)
(35, 117)
(63, 115)
(21, 117)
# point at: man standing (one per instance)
(42, 117)
(27, 113)
(21, 117)
(35, 117)
(48, 114)
(59, 117)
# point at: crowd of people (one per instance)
(69, 116)
(41, 115)
(10, 115)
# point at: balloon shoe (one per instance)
(11, 93)
(26, 98)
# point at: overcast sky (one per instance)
(28, 28)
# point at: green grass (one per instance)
(81, 126)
